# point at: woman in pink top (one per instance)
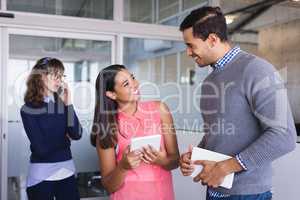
(119, 116)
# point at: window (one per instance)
(191, 3)
(167, 12)
(187, 65)
(139, 11)
(152, 60)
(170, 68)
(167, 8)
(99, 9)
(144, 70)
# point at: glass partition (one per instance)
(166, 73)
(167, 12)
(83, 59)
(187, 4)
(99, 9)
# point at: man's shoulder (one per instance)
(244, 59)
(257, 64)
(235, 67)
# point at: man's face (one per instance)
(198, 49)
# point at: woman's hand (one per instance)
(185, 163)
(130, 160)
(66, 94)
(152, 156)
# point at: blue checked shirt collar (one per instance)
(220, 64)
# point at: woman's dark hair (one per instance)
(105, 128)
(35, 85)
(206, 20)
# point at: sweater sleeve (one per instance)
(74, 128)
(38, 140)
(267, 97)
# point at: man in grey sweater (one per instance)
(246, 96)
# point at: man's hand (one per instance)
(213, 173)
(185, 163)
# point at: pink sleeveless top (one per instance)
(147, 182)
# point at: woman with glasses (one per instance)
(119, 116)
(50, 123)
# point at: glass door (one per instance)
(83, 56)
(3, 110)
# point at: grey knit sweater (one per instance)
(246, 111)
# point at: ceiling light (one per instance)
(230, 18)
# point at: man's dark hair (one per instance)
(206, 20)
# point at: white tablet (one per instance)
(203, 154)
(140, 142)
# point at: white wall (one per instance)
(286, 177)
(184, 187)
(280, 45)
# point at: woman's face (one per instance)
(126, 88)
(53, 81)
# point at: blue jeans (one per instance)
(263, 196)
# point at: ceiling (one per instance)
(249, 15)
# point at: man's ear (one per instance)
(213, 39)
(111, 95)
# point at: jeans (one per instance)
(262, 196)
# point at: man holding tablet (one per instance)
(246, 94)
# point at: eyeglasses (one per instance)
(57, 77)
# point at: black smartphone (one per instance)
(60, 90)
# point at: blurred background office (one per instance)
(88, 35)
